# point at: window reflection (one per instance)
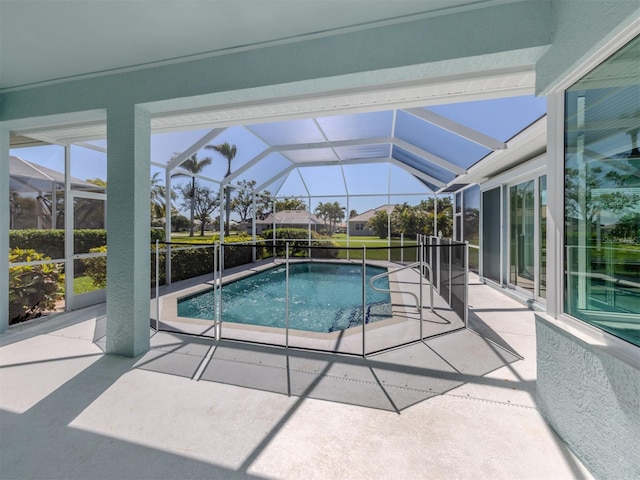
(522, 254)
(542, 220)
(602, 196)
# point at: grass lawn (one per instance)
(374, 254)
(340, 239)
(83, 285)
(183, 237)
(208, 237)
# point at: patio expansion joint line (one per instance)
(317, 374)
(204, 363)
(494, 402)
(60, 335)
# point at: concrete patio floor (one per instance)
(460, 405)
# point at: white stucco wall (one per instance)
(129, 256)
(591, 398)
(580, 27)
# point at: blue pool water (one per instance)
(323, 297)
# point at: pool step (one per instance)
(352, 316)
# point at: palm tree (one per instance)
(333, 213)
(158, 207)
(194, 167)
(228, 152)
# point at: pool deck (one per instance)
(461, 405)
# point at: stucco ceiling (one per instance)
(46, 41)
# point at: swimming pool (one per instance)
(323, 297)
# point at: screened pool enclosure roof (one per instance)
(402, 151)
(413, 150)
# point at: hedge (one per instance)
(299, 243)
(50, 243)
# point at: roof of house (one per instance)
(369, 214)
(292, 217)
(26, 176)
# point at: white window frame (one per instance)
(555, 208)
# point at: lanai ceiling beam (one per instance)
(178, 159)
(417, 173)
(334, 144)
(273, 178)
(247, 166)
(457, 128)
(90, 146)
(435, 159)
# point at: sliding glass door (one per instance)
(522, 222)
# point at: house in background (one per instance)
(289, 219)
(36, 197)
(359, 225)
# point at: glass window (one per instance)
(471, 201)
(542, 219)
(471, 221)
(491, 229)
(521, 236)
(602, 196)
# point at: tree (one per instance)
(290, 203)
(379, 223)
(403, 219)
(445, 217)
(353, 213)
(204, 202)
(331, 213)
(98, 182)
(228, 152)
(179, 223)
(193, 166)
(158, 197)
(580, 202)
(243, 204)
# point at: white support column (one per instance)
(309, 221)
(221, 222)
(504, 234)
(555, 204)
(167, 225)
(253, 225)
(4, 229)
(274, 219)
(128, 241)
(435, 215)
(69, 271)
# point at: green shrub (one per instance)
(96, 267)
(299, 243)
(157, 234)
(35, 289)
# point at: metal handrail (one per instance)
(411, 265)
